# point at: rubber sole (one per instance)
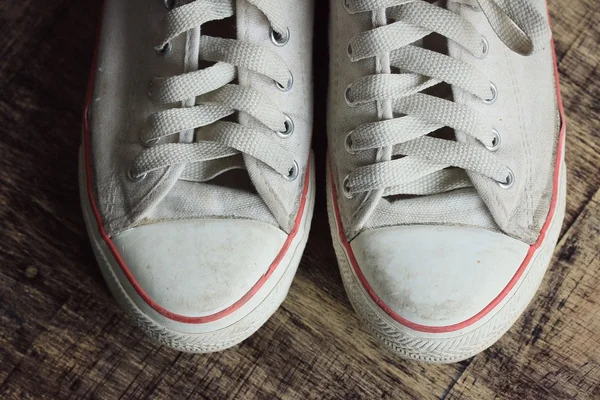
(207, 337)
(461, 344)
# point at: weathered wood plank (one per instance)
(24, 313)
(23, 24)
(40, 129)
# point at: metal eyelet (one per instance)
(347, 6)
(164, 50)
(485, 49)
(280, 39)
(494, 97)
(293, 172)
(347, 96)
(289, 85)
(170, 4)
(346, 189)
(134, 178)
(496, 141)
(150, 85)
(149, 143)
(289, 128)
(510, 180)
(348, 143)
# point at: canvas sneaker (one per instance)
(196, 179)
(447, 181)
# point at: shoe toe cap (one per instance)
(437, 276)
(198, 268)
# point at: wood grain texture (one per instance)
(63, 336)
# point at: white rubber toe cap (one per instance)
(434, 275)
(199, 268)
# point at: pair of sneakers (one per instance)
(445, 180)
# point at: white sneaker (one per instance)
(196, 181)
(444, 210)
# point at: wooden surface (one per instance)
(63, 336)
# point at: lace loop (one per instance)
(422, 164)
(217, 98)
(527, 30)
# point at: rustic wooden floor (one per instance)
(63, 336)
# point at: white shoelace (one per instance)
(208, 158)
(424, 167)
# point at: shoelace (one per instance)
(208, 158)
(417, 164)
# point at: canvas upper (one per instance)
(196, 180)
(141, 58)
(500, 43)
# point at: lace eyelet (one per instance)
(485, 49)
(349, 51)
(164, 50)
(134, 178)
(289, 85)
(149, 143)
(150, 85)
(347, 6)
(280, 39)
(347, 96)
(170, 4)
(348, 143)
(510, 180)
(496, 141)
(494, 97)
(293, 172)
(346, 189)
(289, 128)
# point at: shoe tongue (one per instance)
(439, 44)
(230, 193)
(249, 179)
(243, 174)
(228, 170)
(440, 208)
(223, 28)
